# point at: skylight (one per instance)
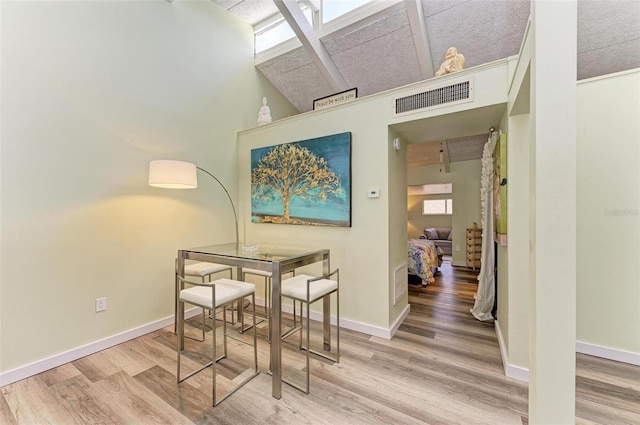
(277, 33)
(332, 9)
(272, 32)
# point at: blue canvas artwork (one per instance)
(306, 182)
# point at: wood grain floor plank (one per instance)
(130, 360)
(96, 366)
(6, 416)
(59, 374)
(159, 354)
(31, 402)
(184, 398)
(135, 403)
(442, 367)
(74, 396)
(604, 370)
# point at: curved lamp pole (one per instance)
(170, 174)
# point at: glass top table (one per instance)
(272, 258)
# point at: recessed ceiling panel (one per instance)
(419, 154)
(608, 37)
(482, 31)
(285, 63)
(367, 31)
(383, 63)
(607, 23)
(377, 53)
(251, 11)
(467, 148)
(376, 56)
(297, 78)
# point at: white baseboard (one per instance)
(522, 373)
(56, 360)
(517, 372)
(399, 320)
(608, 353)
(352, 325)
(459, 263)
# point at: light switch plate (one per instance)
(374, 192)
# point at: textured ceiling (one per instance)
(406, 41)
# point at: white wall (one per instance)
(91, 92)
(608, 218)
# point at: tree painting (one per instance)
(306, 182)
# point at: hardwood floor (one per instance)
(442, 367)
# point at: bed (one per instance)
(423, 260)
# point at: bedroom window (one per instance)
(437, 207)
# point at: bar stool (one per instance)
(267, 275)
(207, 270)
(309, 289)
(210, 296)
(202, 270)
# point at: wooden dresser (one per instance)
(474, 248)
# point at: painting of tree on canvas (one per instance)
(306, 182)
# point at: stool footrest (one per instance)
(291, 332)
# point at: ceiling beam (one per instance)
(446, 165)
(292, 13)
(314, 4)
(420, 37)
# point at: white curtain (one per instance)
(485, 295)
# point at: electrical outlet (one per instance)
(101, 304)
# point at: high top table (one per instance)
(276, 259)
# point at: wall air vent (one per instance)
(452, 93)
(400, 282)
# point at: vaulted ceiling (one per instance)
(392, 43)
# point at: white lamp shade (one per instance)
(172, 174)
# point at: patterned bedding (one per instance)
(424, 259)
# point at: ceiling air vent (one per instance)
(443, 95)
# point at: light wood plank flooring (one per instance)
(442, 367)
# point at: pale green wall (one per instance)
(368, 252)
(91, 92)
(514, 271)
(465, 176)
(513, 259)
(552, 237)
(608, 221)
(361, 251)
(397, 225)
(418, 222)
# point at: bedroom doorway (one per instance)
(457, 284)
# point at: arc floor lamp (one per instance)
(170, 174)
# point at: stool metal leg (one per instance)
(306, 322)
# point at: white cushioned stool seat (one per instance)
(296, 287)
(257, 272)
(204, 269)
(227, 290)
